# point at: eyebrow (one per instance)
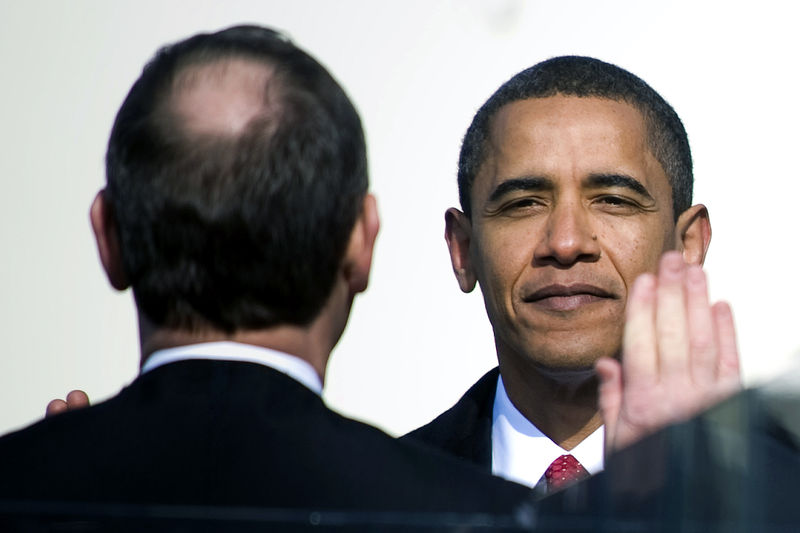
(520, 184)
(618, 180)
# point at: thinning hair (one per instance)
(237, 229)
(585, 77)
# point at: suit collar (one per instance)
(290, 365)
(465, 430)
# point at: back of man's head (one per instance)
(586, 77)
(235, 168)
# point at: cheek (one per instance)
(502, 260)
(634, 249)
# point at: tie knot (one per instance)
(564, 471)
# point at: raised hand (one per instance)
(76, 399)
(679, 355)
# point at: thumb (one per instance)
(609, 397)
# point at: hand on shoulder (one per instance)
(76, 399)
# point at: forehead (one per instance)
(568, 137)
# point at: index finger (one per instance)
(55, 407)
(639, 355)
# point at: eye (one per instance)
(521, 203)
(615, 200)
(618, 204)
(522, 206)
(517, 206)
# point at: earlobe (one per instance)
(693, 233)
(106, 236)
(458, 234)
(358, 260)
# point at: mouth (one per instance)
(567, 297)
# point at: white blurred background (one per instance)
(417, 70)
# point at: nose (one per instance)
(568, 238)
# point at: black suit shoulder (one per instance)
(465, 430)
(221, 433)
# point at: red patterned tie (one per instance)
(562, 472)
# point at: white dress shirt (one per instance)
(291, 365)
(522, 453)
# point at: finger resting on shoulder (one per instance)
(55, 407)
(77, 399)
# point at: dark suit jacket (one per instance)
(465, 430)
(238, 434)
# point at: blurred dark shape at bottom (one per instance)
(49, 517)
(735, 468)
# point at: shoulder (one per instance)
(464, 430)
(280, 447)
(424, 478)
(48, 456)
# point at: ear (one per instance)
(358, 258)
(458, 234)
(693, 234)
(105, 234)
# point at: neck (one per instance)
(312, 343)
(561, 403)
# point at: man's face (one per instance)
(569, 208)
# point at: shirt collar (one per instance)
(522, 453)
(291, 365)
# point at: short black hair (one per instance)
(237, 231)
(586, 77)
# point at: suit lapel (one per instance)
(465, 430)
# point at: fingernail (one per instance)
(672, 261)
(644, 282)
(695, 275)
(722, 309)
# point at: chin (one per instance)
(575, 349)
(569, 356)
(567, 374)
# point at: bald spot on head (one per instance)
(223, 96)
